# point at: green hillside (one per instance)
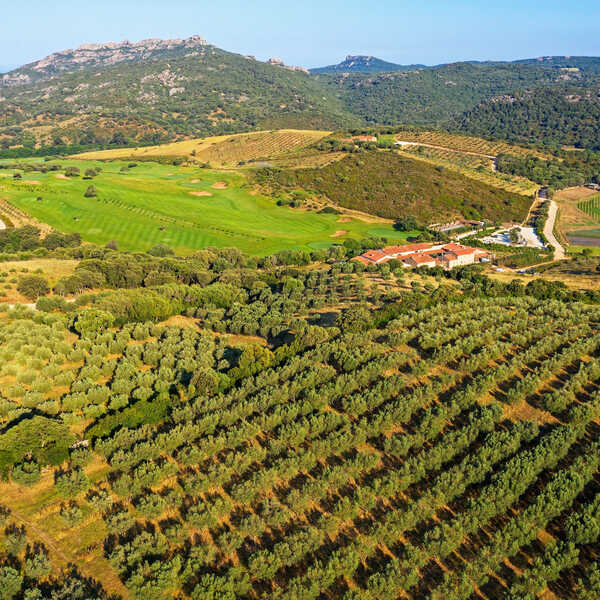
(156, 91)
(212, 92)
(433, 96)
(554, 117)
(186, 208)
(392, 186)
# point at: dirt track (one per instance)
(559, 251)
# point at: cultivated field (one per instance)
(452, 451)
(591, 207)
(185, 207)
(466, 143)
(222, 150)
(578, 216)
(475, 167)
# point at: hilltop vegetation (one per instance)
(210, 92)
(154, 91)
(393, 186)
(552, 117)
(432, 96)
(263, 430)
(364, 64)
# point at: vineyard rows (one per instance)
(465, 143)
(471, 166)
(591, 207)
(450, 452)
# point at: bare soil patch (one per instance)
(32, 181)
(181, 321)
(339, 233)
(573, 194)
(219, 185)
(582, 240)
(201, 194)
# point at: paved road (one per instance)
(559, 251)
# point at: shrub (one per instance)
(26, 473)
(71, 514)
(33, 286)
(10, 583)
(71, 483)
(91, 192)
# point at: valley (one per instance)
(278, 333)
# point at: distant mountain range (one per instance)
(148, 92)
(364, 64)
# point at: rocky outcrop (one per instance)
(100, 55)
(277, 62)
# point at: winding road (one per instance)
(559, 251)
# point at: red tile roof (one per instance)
(421, 258)
(363, 260)
(449, 256)
(452, 247)
(408, 248)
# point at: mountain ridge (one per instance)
(364, 64)
(153, 91)
(96, 55)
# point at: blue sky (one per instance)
(312, 33)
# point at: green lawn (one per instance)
(152, 204)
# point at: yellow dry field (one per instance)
(37, 508)
(584, 281)
(225, 150)
(574, 194)
(306, 159)
(51, 268)
(570, 218)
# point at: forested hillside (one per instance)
(206, 92)
(392, 186)
(364, 64)
(107, 95)
(553, 117)
(434, 96)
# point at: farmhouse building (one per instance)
(447, 256)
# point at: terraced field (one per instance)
(475, 167)
(452, 452)
(466, 143)
(185, 207)
(222, 150)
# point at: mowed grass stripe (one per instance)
(134, 204)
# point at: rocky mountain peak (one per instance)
(100, 55)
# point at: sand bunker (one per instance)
(196, 180)
(344, 220)
(220, 185)
(201, 194)
(339, 233)
(32, 181)
(61, 176)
